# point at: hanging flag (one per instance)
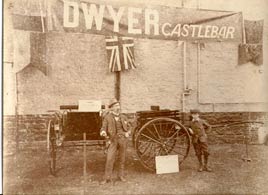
(250, 53)
(253, 31)
(120, 53)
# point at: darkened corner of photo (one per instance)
(135, 97)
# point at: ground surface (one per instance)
(27, 173)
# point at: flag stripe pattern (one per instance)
(120, 52)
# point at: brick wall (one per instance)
(33, 128)
(235, 134)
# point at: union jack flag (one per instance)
(120, 52)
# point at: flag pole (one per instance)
(243, 31)
(117, 85)
(41, 14)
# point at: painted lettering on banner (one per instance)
(155, 22)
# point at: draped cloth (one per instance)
(250, 53)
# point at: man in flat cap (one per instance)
(199, 139)
(116, 127)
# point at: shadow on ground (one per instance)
(28, 173)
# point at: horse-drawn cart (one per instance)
(158, 132)
(67, 128)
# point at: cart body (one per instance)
(68, 128)
(157, 133)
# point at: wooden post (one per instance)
(17, 128)
(117, 85)
(42, 17)
(17, 114)
(85, 163)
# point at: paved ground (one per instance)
(27, 173)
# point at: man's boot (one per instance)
(105, 181)
(122, 178)
(206, 168)
(200, 169)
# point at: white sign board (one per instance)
(167, 164)
(89, 105)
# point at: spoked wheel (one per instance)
(161, 136)
(52, 148)
(134, 135)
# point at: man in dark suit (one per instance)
(115, 126)
(199, 139)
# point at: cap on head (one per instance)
(113, 102)
(195, 111)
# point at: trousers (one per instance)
(201, 148)
(117, 145)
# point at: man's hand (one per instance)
(127, 134)
(191, 131)
(103, 133)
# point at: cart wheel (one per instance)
(134, 135)
(161, 136)
(52, 147)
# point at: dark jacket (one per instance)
(199, 132)
(109, 126)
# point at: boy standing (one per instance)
(199, 139)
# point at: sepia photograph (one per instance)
(131, 97)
